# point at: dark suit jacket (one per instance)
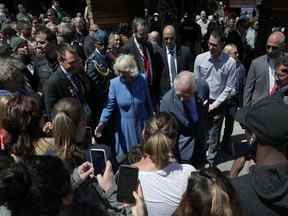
(184, 62)
(58, 86)
(192, 135)
(131, 48)
(257, 81)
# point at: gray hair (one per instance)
(137, 21)
(66, 31)
(126, 63)
(11, 69)
(185, 78)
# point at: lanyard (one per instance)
(77, 91)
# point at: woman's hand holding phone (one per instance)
(84, 170)
(106, 180)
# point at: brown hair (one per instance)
(209, 193)
(159, 137)
(22, 121)
(67, 114)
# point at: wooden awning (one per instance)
(111, 12)
(242, 3)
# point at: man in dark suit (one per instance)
(175, 59)
(187, 101)
(145, 57)
(260, 81)
(66, 80)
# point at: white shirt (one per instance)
(163, 189)
(169, 64)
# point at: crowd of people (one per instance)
(152, 95)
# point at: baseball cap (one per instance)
(267, 119)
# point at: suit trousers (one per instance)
(215, 120)
(231, 106)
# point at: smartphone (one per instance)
(127, 183)
(98, 159)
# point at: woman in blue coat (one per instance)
(129, 97)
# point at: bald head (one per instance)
(169, 36)
(277, 37)
(184, 85)
(275, 44)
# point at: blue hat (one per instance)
(101, 36)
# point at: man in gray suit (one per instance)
(260, 81)
(187, 101)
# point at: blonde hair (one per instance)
(221, 202)
(67, 115)
(111, 39)
(228, 48)
(159, 137)
(127, 64)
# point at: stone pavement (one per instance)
(239, 147)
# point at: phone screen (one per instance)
(98, 159)
(127, 183)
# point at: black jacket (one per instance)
(264, 191)
(58, 86)
(184, 62)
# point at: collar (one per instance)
(167, 49)
(219, 58)
(65, 71)
(136, 42)
(98, 52)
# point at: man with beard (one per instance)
(21, 51)
(66, 80)
(45, 60)
(261, 77)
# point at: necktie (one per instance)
(173, 71)
(147, 65)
